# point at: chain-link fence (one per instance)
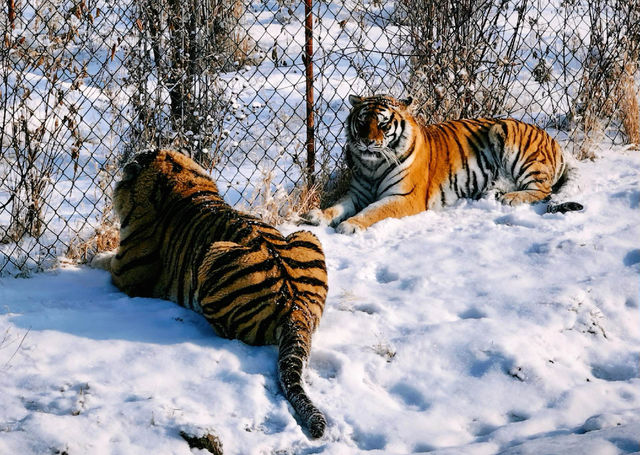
(241, 87)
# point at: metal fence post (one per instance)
(12, 13)
(308, 60)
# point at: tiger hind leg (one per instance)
(288, 324)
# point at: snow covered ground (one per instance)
(478, 329)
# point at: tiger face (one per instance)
(377, 130)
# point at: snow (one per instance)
(477, 329)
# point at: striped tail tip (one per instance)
(312, 418)
(317, 423)
(293, 352)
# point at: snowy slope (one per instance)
(478, 329)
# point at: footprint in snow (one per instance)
(632, 258)
(274, 423)
(616, 371)
(479, 429)
(366, 440)
(472, 313)
(514, 220)
(410, 396)
(326, 363)
(517, 416)
(369, 308)
(384, 275)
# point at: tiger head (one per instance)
(377, 128)
(154, 179)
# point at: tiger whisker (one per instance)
(389, 156)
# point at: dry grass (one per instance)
(245, 49)
(235, 43)
(592, 132)
(628, 104)
(279, 206)
(306, 199)
(106, 235)
(605, 95)
(104, 238)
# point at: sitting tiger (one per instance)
(400, 167)
(179, 240)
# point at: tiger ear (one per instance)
(130, 171)
(407, 101)
(355, 100)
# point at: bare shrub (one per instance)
(28, 183)
(629, 109)
(178, 100)
(461, 64)
(607, 88)
(106, 235)
(39, 131)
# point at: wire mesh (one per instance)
(86, 84)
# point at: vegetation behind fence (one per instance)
(86, 84)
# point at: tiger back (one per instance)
(401, 167)
(179, 240)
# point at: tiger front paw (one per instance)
(102, 260)
(349, 227)
(314, 217)
(506, 198)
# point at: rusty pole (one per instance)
(308, 60)
(12, 13)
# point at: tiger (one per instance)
(180, 241)
(401, 167)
